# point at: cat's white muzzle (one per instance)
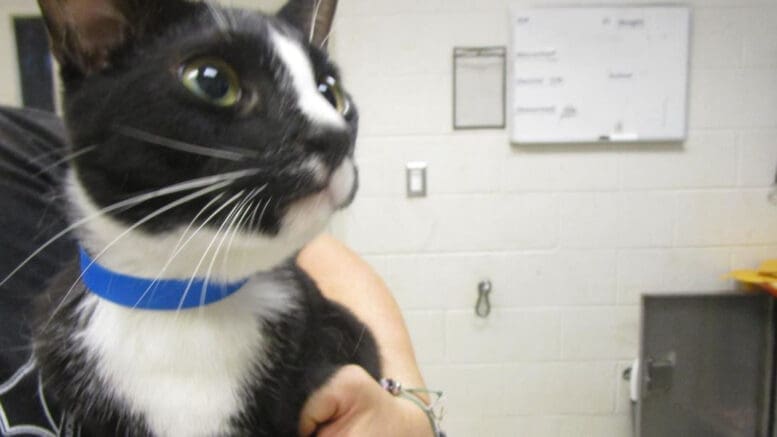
(308, 216)
(342, 184)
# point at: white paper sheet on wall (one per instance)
(479, 88)
(582, 75)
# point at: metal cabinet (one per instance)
(706, 366)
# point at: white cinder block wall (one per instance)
(569, 235)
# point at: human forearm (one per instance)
(347, 279)
(351, 403)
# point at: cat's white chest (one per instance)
(184, 373)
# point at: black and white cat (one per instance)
(209, 146)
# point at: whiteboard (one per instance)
(614, 74)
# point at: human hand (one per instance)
(352, 404)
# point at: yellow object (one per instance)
(765, 277)
(769, 267)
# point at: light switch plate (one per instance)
(416, 179)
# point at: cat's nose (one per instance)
(319, 144)
(331, 146)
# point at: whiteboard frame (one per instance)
(631, 139)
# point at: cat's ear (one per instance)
(314, 18)
(84, 33)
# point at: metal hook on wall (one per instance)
(483, 305)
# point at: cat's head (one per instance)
(172, 94)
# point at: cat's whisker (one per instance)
(180, 248)
(251, 226)
(241, 228)
(221, 20)
(128, 203)
(261, 215)
(325, 41)
(252, 220)
(233, 227)
(232, 223)
(194, 220)
(202, 258)
(314, 20)
(248, 205)
(65, 159)
(144, 220)
(238, 230)
(206, 278)
(181, 146)
(226, 233)
(54, 151)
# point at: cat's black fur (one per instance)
(131, 79)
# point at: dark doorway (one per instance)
(35, 71)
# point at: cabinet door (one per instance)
(706, 366)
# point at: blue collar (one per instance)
(149, 294)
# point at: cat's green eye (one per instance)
(334, 94)
(211, 80)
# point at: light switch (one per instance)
(416, 179)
